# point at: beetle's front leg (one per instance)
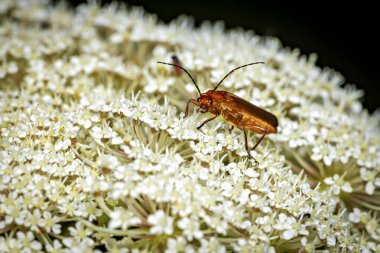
(187, 106)
(207, 120)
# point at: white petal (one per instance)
(328, 160)
(116, 140)
(87, 124)
(377, 182)
(329, 181)
(331, 241)
(251, 173)
(347, 187)
(369, 188)
(354, 218)
(336, 189)
(114, 224)
(289, 234)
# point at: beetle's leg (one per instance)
(247, 148)
(187, 106)
(258, 142)
(231, 128)
(246, 145)
(207, 120)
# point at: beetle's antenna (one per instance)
(192, 79)
(233, 71)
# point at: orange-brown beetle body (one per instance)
(237, 111)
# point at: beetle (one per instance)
(176, 61)
(235, 110)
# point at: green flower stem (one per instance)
(227, 240)
(305, 165)
(103, 205)
(129, 233)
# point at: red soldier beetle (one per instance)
(237, 111)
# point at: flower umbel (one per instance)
(96, 154)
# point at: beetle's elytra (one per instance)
(237, 111)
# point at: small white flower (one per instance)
(161, 223)
(55, 248)
(355, 216)
(28, 241)
(74, 149)
(325, 153)
(51, 223)
(123, 218)
(178, 245)
(191, 228)
(251, 173)
(370, 177)
(331, 241)
(62, 145)
(80, 232)
(203, 174)
(337, 184)
(211, 245)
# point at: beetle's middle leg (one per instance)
(207, 120)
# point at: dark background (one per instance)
(344, 36)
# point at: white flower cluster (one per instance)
(86, 165)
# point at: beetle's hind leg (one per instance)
(258, 142)
(254, 147)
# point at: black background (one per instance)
(344, 36)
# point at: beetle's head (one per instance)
(204, 102)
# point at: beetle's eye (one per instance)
(199, 99)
